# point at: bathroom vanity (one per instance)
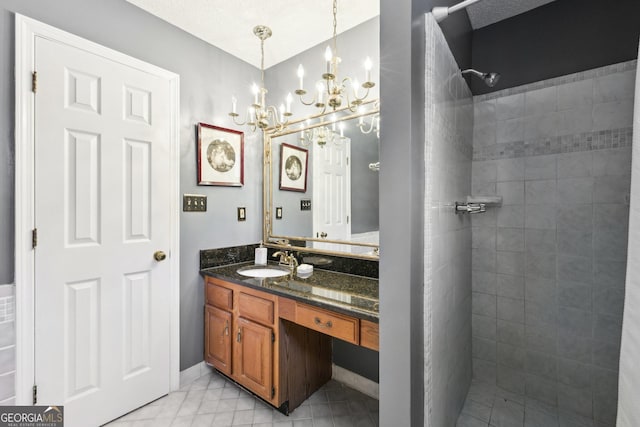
(273, 335)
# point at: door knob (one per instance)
(323, 235)
(159, 256)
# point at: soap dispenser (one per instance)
(261, 255)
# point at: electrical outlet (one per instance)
(305, 205)
(194, 203)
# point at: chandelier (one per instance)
(373, 125)
(331, 91)
(323, 135)
(259, 114)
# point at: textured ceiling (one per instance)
(487, 12)
(228, 24)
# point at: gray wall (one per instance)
(549, 264)
(577, 35)
(204, 96)
(365, 192)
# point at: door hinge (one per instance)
(34, 238)
(347, 219)
(34, 81)
(35, 394)
(273, 392)
(347, 161)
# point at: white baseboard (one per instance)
(191, 374)
(355, 381)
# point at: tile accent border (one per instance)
(569, 78)
(597, 140)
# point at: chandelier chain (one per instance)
(335, 26)
(262, 60)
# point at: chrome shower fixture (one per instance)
(490, 79)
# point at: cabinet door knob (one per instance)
(226, 328)
(159, 256)
(239, 336)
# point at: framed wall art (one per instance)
(293, 168)
(220, 156)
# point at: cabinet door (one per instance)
(253, 357)
(217, 341)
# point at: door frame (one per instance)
(26, 32)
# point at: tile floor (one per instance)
(214, 401)
(488, 405)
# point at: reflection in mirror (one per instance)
(338, 212)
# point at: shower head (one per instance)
(490, 79)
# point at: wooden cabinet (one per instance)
(253, 358)
(240, 333)
(276, 347)
(217, 333)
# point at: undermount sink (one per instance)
(263, 271)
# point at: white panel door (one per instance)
(102, 208)
(332, 194)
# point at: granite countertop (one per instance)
(345, 293)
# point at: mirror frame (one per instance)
(284, 241)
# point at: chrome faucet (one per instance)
(287, 260)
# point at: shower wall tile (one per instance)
(510, 286)
(542, 338)
(575, 165)
(512, 192)
(575, 95)
(612, 189)
(510, 216)
(541, 101)
(613, 115)
(540, 167)
(550, 272)
(510, 263)
(575, 295)
(576, 190)
(540, 217)
(612, 162)
(574, 374)
(511, 333)
(510, 239)
(540, 241)
(614, 87)
(448, 238)
(510, 169)
(484, 327)
(575, 348)
(510, 107)
(510, 309)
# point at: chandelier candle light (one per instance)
(259, 115)
(336, 91)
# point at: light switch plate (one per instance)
(194, 203)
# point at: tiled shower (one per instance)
(548, 264)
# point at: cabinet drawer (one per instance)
(369, 332)
(219, 296)
(334, 324)
(255, 308)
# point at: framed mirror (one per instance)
(321, 184)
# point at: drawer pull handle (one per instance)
(322, 325)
